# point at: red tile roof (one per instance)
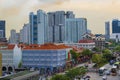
(36, 46)
(86, 41)
(46, 46)
(10, 46)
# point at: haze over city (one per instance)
(59, 40)
(16, 12)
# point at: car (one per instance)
(101, 71)
(107, 72)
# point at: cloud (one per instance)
(57, 2)
(16, 12)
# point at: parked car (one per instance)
(101, 71)
(107, 72)
(114, 70)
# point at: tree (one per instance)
(60, 77)
(75, 55)
(87, 52)
(96, 49)
(106, 51)
(20, 64)
(76, 72)
(107, 56)
(117, 49)
(97, 58)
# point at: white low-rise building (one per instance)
(115, 36)
(88, 44)
(11, 57)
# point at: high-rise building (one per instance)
(107, 30)
(115, 26)
(89, 31)
(42, 27)
(38, 27)
(25, 34)
(33, 28)
(2, 29)
(56, 23)
(13, 36)
(74, 29)
(18, 38)
(70, 14)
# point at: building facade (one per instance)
(74, 29)
(115, 26)
(42, 23)
(47, 56)
(25, 34)
(11, 57)
(107, 30)
(38, 27)
(100, 42)
(2, 29)
(56, 23)
(87, 44)
(12, 39)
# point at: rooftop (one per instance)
(46, 46)
(86, 41)
(35, 46)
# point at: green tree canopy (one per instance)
(117, 49)
(106, 51)
(60, 77)
(107, 56)
(87, 52)
(20, 64)
(76, 72)
(97, 58)
(75, 55)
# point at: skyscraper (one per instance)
(107, 30)
(70, 14)
(115, 26)
(2, 29)
(56, 23)
(38, 27)
(33, 28)
(13, 36)
(74, 29)
(25, 34)
(42, 27)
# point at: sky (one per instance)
(16, 12)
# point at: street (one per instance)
(95, 76)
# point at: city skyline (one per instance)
(16, 12)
